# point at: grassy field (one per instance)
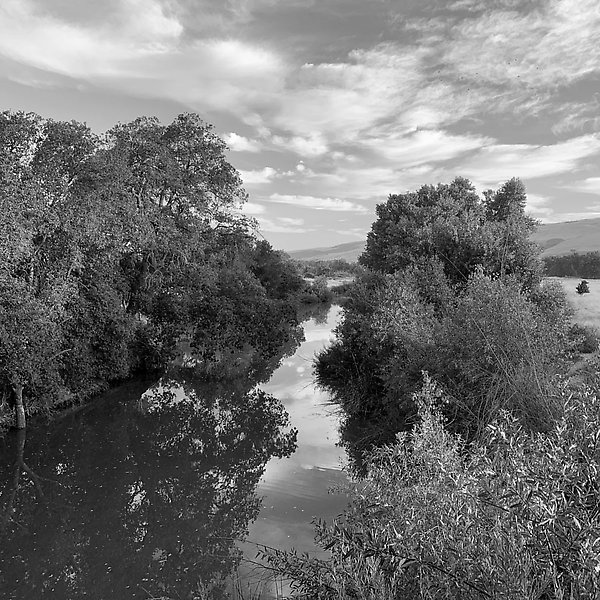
(587, 306)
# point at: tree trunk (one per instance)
(20, 422)
(10, 507)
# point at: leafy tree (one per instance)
(120, 245)
(457, 293)
(574, 265)
(452, 224)
(583, 287)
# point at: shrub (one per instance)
(514, 518)
(585, 338)
(583, 287)
(490, 347)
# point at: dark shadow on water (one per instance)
(318, 312)
(137, 499)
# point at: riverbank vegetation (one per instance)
(112, 247)
(478, 458)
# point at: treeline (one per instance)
(337, 267)
(479, 466)
(112, 247)
(574, 265)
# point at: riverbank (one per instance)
(144, 491)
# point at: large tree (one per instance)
(451, 223)
(116, 246)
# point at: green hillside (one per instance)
(571, 236)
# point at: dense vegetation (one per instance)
(113, 247)
(337, 267)
(574, 265)
(479, 466)
(454, 288)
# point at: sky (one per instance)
(329, 106)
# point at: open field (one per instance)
(587, 306)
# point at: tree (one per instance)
(111, 248)
(583, 287)
(509, 201)
(452, 224)
(454, 290)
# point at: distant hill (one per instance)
(349, 251)
(556, 239)
(562, 238)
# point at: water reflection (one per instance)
(296, 489)
(146, 493)
(138, 500)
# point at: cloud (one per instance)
(425, 146)
(239, 143)
(283, 225)
(138, 30)
(591, 185)
(258, 177)
(309, 146)
(140, 48)
(538, 206)
(333, 102)
(251, 208)
(355, 232)
(496, 163)
(314, 202)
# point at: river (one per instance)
(149, 491)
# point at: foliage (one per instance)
(491, 347)
(583, 287)
(113, 248)
(329, 268)
(455, 291)
(316, 291)
(451, 223)
(574, 264)
(585, 339)
(516, 517)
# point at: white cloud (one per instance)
(312, 145)
(355, 232)
(591, 185)
(251, 208)
(497, 163)
(283, 225)
(539, 206)
(425, 146)
(239, 143)
(556, 43)
(258, 177)
(40, 40)
(141, 49)
(314, 202)
(291, 221)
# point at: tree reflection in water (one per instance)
(138, 500)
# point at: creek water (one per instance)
(164, 490)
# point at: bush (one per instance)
(491, 348)
(583, 287)
(514, 518)
(316, 291)
(585, 338)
